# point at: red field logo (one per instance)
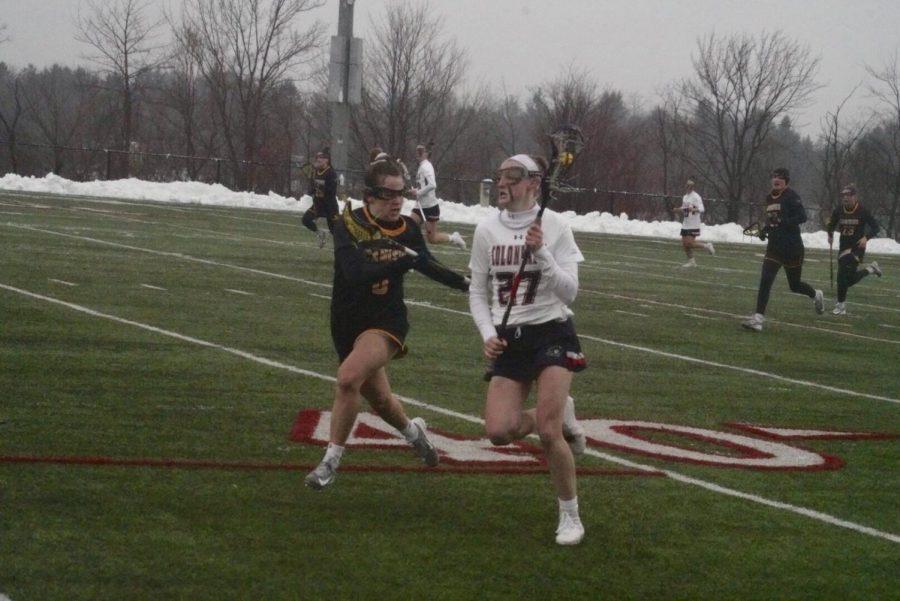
(764, 450)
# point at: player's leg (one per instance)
(794, 273)
(504, 419)
(377, 391)
(371, 352)
(553, 386)
(309, 218)
(770, 267)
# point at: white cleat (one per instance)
(691, 263)
(423, 446)
(570, 530)
(573, 431)
(839, 309)
(874, 268)
(819, 302)
(456, 239)
(711, 249)
(321, 237)
(322, 476)
(755, 322)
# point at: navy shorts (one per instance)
(693, 233)
(431, 213)
(787, 256)
(531, 348)
(344, 333)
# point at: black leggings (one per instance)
(320, 210)
(848, 273)
(769, 271)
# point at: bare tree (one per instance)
(887, 90)
(246, 48)
(4, 37)
(122, 37)
(412, 87)
(837, 145)
(11, 110)
(742, 85)
(59, 101)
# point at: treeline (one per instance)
(245, 81)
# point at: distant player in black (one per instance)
(368, 315)
(784, 214)
(323, 190)
(857, 227)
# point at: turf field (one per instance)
(163, 367)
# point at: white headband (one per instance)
(527, 162)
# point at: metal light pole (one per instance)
(344, 83)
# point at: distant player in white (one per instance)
(692, 209)
(428, 209)
(539, 343)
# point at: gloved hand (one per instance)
(764, 233)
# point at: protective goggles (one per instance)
(513, 174)
(383, 193)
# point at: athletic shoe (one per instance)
(819, 302)
(691, 263)
(456, 239)
(573, 431)
(570, 530)
(423, 446)
(321, 237)
(711, 248)
(755, 322)
(322, 476)
(839, 309)
(874, 268)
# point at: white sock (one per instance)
(410, 432)
(569, 507)
(333, 453)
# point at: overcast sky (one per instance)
(636, 46)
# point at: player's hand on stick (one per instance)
(534, 237)
(862, 242)
(494, 347)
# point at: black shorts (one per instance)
(431, 213)
(693, 233)
(344, 333)
(850, 258)
(532, 348)
(786, 256)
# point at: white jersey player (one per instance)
(692, 209)
(428, 210)
(538, 343)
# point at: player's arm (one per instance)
(792, 212)
(331, 186)
(357, 261)
(428, 266)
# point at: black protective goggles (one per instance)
(383, 193)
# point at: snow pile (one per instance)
(217, 195)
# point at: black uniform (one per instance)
(368, 282)
(784, 214)
(853, 226)
(323, 190)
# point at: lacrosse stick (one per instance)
(566, 142)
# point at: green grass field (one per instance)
(136, 336)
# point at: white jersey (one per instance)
(691, 208)
(497, 247)
(426, 182)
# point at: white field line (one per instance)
(241, 292)
(63, 282)
(735, 315)
(630, 313)
(710, 486)
(152, 287)
(659, 276)
(695, 316)
(312, 283)
(887, 325)
(448, 310)
(170, 254)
